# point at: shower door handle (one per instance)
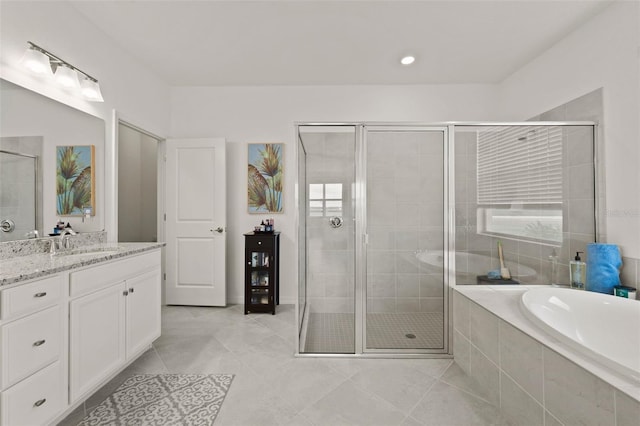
(335, 221)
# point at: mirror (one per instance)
(32, 126)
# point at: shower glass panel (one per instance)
(301, 196)
(326, 165)
(18, 201)
(529, 187)
(405, 224)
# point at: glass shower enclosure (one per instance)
(390, 216)
(371, 198)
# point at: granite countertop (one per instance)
(22, 268)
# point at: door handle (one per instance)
(219, 230)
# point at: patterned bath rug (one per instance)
(163, 399)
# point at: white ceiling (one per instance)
(206, 43)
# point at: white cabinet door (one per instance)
(143, 311)
(96, 338)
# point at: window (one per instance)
(325, 199)
(519, 183)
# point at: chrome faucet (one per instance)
(64, 238)
(62, 241)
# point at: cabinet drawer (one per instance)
(97, 277)
(260, 241)
(36, 400)
(29, 344)
(31, 297)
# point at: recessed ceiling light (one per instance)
(407, 60)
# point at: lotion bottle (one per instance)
(577, 272)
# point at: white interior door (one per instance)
(195, 222)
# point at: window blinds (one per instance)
(520, 165)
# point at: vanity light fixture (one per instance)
(67, 77)
(36, 62)
(41, 61)
(91, 90)
(407, 60)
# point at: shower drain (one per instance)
(410, 336)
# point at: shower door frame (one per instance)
(360, 238)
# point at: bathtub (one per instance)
(475, 264)
(603, 327)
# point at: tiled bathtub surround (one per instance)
(630, 273)
(17, 248)
(533, 378)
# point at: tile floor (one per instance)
(272, 387)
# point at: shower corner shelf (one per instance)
(261, 272)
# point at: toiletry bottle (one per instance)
(553, 262)
(578, 272)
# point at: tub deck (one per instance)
(504, 302)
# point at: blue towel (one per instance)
(603, 267)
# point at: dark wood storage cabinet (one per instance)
(261, 272)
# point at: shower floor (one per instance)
(334, 332)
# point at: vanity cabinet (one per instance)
(64, 336)
(32, 354)
(113, 323)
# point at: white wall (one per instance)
(134, 91)
(602, 53)
(267, 114)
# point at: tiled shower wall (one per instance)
(404, 217)
(330, 159)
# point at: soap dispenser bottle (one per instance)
(577, 272)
